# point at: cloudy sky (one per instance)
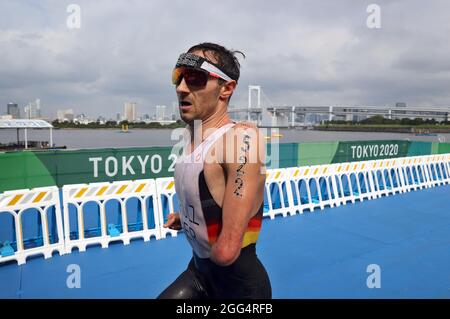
(300, 52)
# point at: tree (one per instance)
(376, 119)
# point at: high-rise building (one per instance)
(82, 119)
(13, 110)
(101, 120)
(129, 111)
(160, 110)
(65, 115)
(33, 109)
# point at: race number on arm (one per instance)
(244, 190)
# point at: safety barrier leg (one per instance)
(445, 170)
(406, 177)
(329, 201)
(421, 183)
(428, 182)
(345, 194)
(441, 173)
(297, 206)
(335, 188)
(165, 189)
(372, 185)
(414, 177)
(437, 172)
(357, 193)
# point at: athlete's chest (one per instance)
(215, 180)
(190, 176)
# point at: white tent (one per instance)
(27, 124)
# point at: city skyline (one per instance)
(301, 53)
(131, 114)
(61, 113)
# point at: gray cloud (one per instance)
(300, 52)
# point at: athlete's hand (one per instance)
(173, 221)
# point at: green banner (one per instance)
(111, 164)
(316, 153)
(443, 148)
(20, 170)
(369, 150)
(420, 148)
(28, 169)
(281, 155)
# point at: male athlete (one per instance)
(219, 183)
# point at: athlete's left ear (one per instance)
(227, 89)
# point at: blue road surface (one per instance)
(320, 254)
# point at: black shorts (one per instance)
(246, 278)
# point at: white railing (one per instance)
(100, 195)
(288, 191)
(43, 204)
(166, 198)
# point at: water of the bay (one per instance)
(97, 138)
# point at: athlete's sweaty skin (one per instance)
(234, 175)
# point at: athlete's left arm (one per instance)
(245, 178)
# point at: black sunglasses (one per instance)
(192, 77)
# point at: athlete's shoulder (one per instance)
(240, 129)
(245, 125)
(244, 139)
(246, 128)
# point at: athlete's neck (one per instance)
(206, 126)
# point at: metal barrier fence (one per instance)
(98, 213)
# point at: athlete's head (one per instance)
(205, 78)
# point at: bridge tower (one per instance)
(257, 89)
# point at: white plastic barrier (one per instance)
(343, 172)
(301, 194)
(413, 170)
(423, 160)
(101, 194)
(287, 191)
(384, 181)
(420, 176)
(166, 203)
(439, 169)
(362, 180)
(312, 187)
(278, 194)
(332, 197)
(41, 200)
(437, 174)
(395, 179)
(445, 167)
(389, 178)
(409, 174)
(348, 182)
(319, 186)
(426, 161)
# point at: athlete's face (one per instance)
(199, 103)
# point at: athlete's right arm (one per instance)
(173, 221)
